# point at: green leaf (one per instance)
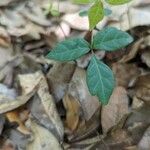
(70, 49)
(110, 39)
(83, 1)
(100, 80)
(95, 14)
(117, 2)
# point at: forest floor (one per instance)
(45, 104)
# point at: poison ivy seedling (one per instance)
(99, 77)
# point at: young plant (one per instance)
(99, 77)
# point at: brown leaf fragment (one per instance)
(59, 77)
(133, 52)
(79, 90)
(116, 108)
(125, 73)
(28, 82)
(142, 88)
(14, 116)
(72, 107)
(43, 139)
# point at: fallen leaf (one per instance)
(72, 107)
(27, 82)
(78, 89)
(14, 116)
(125, 73)
(142, 88)
(59, 77)
(116, 108)
(43, 139)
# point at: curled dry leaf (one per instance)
(125, 73)
(14, 116)
(43, 139)
(59, 77)
(27, 83)
(133, 52)
(142, 88)
(78, 89)
(72, 107)
(115, 110)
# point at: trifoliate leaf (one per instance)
(110, 39)
(100, 80)
(95, 14)
(70, 49)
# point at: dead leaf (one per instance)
(43, 139)
(59, 77)
(116, 108)
(27, 82)
(72, 107)
(78, 89)
(14, 116)
(142, 88)
(133, 52)
(125, 73)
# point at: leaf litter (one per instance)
(45, 104)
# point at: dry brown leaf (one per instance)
(133, 52)
(125, 73)
(78, 89)
(142, 88)
(43, 139)
(59, 77)
(72, 107)
(27, 82)
(14, 116)
(115, 110)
